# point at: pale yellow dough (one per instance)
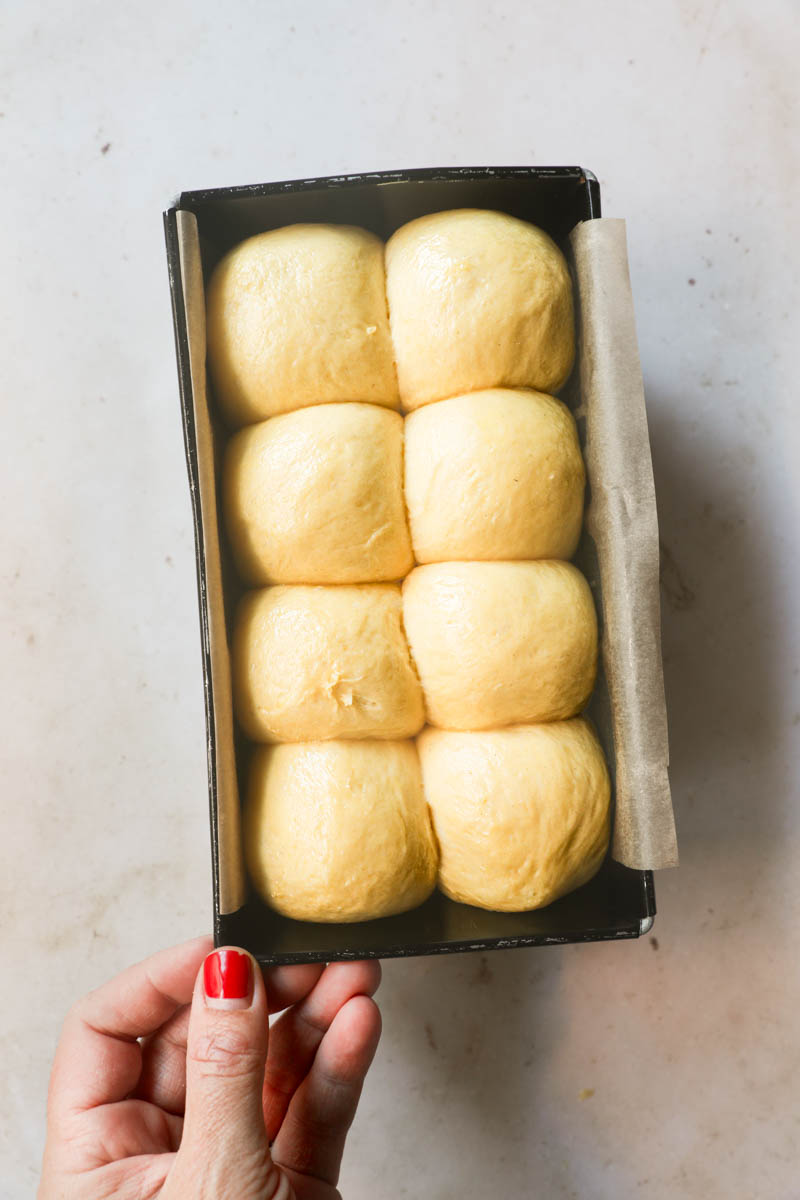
(494, 475)
(521, 814)
(501, 643)
(312, 663)
(339, 831)
(477, 299)
(297, 316)
(316, 496)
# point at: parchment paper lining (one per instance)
(231, 877)
(623, 523)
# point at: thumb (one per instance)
(224, 1150)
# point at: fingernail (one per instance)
(228, 979)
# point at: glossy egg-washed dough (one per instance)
(312, 663)
(493, 475)
(339, 831)
(297, 316)
(521, 814)
(501, 643)
(477, 299)
(316, 496)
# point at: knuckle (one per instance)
(75, 1015)
(281, 1079)
(226, 1051)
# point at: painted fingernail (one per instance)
(228, 979)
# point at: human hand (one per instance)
(168, 1082)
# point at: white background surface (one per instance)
(686, 112)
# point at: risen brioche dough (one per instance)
(339, 831)
(477, 300)
(521, 814)
(312, 663)
(501, 643)
(316, 496)
(494, 475)
(298, 316)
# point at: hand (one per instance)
(169, 1083)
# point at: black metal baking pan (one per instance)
(618, 902)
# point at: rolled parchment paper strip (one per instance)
(219, 702)
(623, 523)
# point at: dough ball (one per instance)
(477, 300)
(298, 316)
(312, 663)
(339, 831)
(521, 814)
(501, 643)
(316, 496)
(494, 475)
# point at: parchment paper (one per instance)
(231, 875)
(623, 523)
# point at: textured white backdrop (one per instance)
(687, 1041)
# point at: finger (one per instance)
(162, 1080)
(294, 1038)
(98, 1058)
(311, 1139)
(288, 985)
(224, 1140)
(163, 1074)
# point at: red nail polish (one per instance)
(227, 975)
